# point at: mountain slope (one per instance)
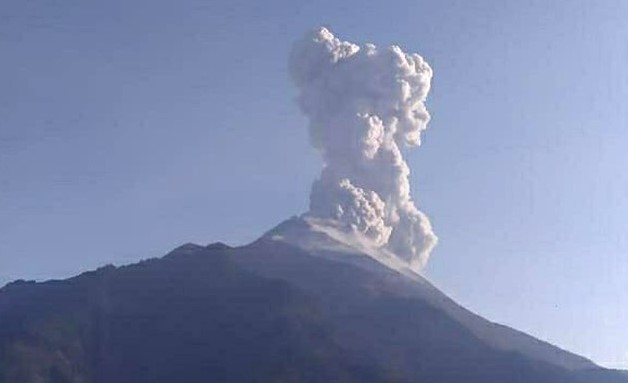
(187, 317)
(266, 312)
(321, 242)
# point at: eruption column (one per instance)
(364, 105)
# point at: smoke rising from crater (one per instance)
(365, 104)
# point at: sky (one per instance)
(130, 127)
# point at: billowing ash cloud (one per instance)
(364, 105)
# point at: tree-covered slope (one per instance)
(261, 313)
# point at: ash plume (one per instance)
(365, 104)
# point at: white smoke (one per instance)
(364, 104)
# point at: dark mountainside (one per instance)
(266, 312)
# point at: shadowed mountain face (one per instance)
(266, 312)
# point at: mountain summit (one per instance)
(301, 304)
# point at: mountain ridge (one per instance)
(267, 311)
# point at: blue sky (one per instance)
(130, 127)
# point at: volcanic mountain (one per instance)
(300, 304)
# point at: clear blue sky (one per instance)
(130, 127)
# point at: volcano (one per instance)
(300, 304)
